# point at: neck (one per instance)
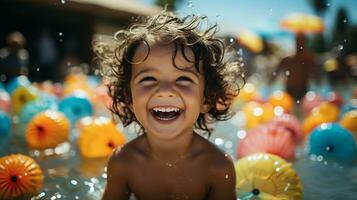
(170, 150)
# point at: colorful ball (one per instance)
(98, 137)
(14, 83)
(332, 141)
(20, 177)
(34, 107)
(47, 130)
(75, 107)
(269, 139)
(292, 124)
(256, 114)
(283, 99)
(266, 176)
(349, 122)
(5, 127)
(310, 101)
(21, 96)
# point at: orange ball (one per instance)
(47, 130)
(98, 137)
(349, 121)
(283, 99)
(256, 113)
(20, 177)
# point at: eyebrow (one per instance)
(150, 69)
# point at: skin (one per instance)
(169, 161)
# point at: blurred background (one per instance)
(297, 110)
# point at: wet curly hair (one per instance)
(223, 77)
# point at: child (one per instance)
(172, 80)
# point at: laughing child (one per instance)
(172, 79)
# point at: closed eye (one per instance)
(147, 79)
(184, 78)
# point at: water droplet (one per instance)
(277, 169)
(63, 1)
(320, 158)
(226, 177)
(301, 47)
(190, 4)
(241, 134)
(340, 47)
(3, 77)
(69, 64)
(328, 4)
(60, 33)
(76, 197)
(298, 101)
(274, 73)
(228, 145)
(74, 182)
(218, 141)
(345, 41)
(61, 40)
(38, 69)
(240, 52)
(287, 73)
(345, 20)
(257, 111)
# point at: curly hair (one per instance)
(223, 79)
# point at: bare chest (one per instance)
(157, 181)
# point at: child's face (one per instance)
(166, 100)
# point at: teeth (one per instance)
(166, 109)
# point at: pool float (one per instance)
(14, 83)
(30, 109)
(268, 177)
(98, 137)
(349, 122)
(324, 113)
(5, 101)
(331, 141)
(310, 101)
(292, 124)
(283, 99)
(75, 107)
(21, 96)
(268, 139)
(20, 177)
(5, 128)
(47, 130)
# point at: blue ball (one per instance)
(36, 106)
(16, 82)
(332, 142)
(5, 127)
(76, 107)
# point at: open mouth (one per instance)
(166, 113)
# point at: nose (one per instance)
(165, 90)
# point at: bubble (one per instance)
(328, 4)
(228, 144)
(190, 4)
(231, 40)
(60, 33)
(37, 69)
(301, 47)
(61, 40)
(340, 47)
(345, 41)
(241, 134)
(226, 177)
(287, 73)
(257, 111)
(63, 1)
(345, 20)
(320, 158)
(298, 101)
(240, 52)
(218, 141)
(74, 182)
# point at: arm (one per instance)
(117, 176)
(223, 181)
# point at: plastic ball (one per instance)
(14, 83)
(331, 141)
(98, 137)
(283, 99)
(266, 176)
(34, 107)
(75, 107)
(310, 101)
(349, 122)
(47, 130)
(269, 139)
(5, 101)
(5, 127)
(21, 96)
(20, 177)
(292, 124)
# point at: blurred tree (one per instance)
(319, 6)
(318, 42)
(341, 28)
(171, 4)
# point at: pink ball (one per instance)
(292, 124)
(268, 139)
(310, 101)
(5, 101)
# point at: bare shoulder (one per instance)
(220, 171)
